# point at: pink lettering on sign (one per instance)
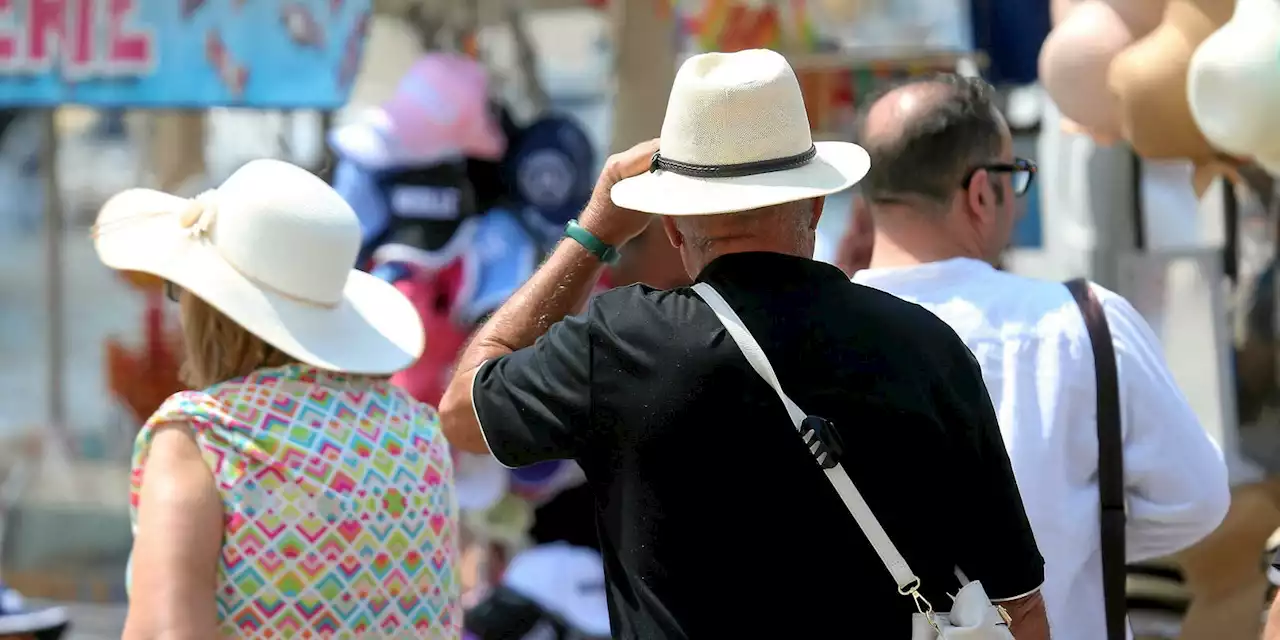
(84, 39)
(9, 44)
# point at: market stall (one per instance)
(188, 56)
(124, 54)
(843, 52)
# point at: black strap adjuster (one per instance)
(823, 441)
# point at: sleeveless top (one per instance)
(337, 491)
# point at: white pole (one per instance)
(644, 68)
(56, 321)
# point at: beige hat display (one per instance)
(1233, 84)
(1149, 79)
(1077, 53)
(736, 137)
(273, 249)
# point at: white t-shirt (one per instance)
(1030, 339)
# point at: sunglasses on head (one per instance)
(1021, 172)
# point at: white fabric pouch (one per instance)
(973, 616)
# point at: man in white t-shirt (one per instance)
(940, 193)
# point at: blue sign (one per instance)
(1028, 231)
(275, 54)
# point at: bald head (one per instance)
(902, 108)
(925, 135)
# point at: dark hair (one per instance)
(960, 129)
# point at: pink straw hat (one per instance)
(440, 110)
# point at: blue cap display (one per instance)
(551, 168)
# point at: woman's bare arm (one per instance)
(177, 545)
(1273, 621)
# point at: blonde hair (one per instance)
(217, 349)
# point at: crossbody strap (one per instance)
(908, 583)
(1110, 457)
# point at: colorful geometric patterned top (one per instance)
(341, 520)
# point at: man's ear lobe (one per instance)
(673, 234)
(818, 205)
(975, 195)
(860, 207)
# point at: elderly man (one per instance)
(941, 195)
(715, 520)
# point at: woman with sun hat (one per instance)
(296, 489)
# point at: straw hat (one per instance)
(273, 249)
(1233, 84)
(735, 138)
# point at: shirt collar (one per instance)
(951, 267)
(763, 267)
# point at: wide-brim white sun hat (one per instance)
(736, 137)
(273, 249)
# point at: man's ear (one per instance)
(979, 194)
(673, 234)
(861, 210)
(818, 205)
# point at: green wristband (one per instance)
(595, 246)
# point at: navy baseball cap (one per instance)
(551, 167)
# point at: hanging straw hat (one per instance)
(736, 138)
(272, 249)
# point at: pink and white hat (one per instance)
(439, 111)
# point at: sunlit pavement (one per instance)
(101, 622)
(93, 622)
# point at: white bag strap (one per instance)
(908, 583)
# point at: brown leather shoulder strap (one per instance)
(1110, 456)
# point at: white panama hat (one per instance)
(273, 249)
(735, 138)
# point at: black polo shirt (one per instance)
(714, 520)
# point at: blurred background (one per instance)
(184, 93)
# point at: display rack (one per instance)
(836, 77)
(837, 86)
